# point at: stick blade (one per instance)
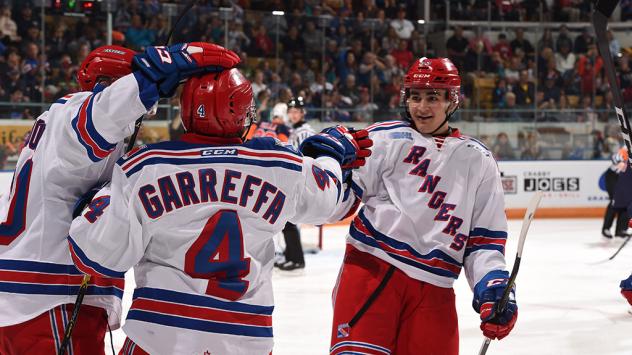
(528, 217)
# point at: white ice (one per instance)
(568, 295)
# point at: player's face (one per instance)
(295, 115)
(428, 109)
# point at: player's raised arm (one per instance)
(335, 152)
(134, 83)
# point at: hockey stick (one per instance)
(627, 239)
(526, 222)
(603, 10)
(86, 278)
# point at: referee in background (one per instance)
(294, 258)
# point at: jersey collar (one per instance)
(200, 139)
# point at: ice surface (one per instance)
(568, 295)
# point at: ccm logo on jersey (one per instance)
(219, 151)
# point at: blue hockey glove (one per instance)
(487, 294)
(168, 66)
(626, 289)
(339, 143)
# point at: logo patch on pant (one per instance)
(343, 330)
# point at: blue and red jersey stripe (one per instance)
(34, 277)
(97, 147)
(200, 313)
(90, 267)
(382, 126)
(486, 239)
(436, 262)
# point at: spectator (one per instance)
(511, 113)
(294, 45)
(8, 28)
(533, 148)
(598, 147)
(237, 39)
(390, 41)
(263, 45)
(512, 74)
(26, 19)
(503, 47)
(279, 111)
(380, 24)
(18, 111)
(457, 46)
(498, 95)
(403, 56)
(551, 92)
(257, 83)
(572, 82)
(349, 90)
(365, 108)
(502, 149)
(263, 111)
(546, 40)
(563, 38)
(522, 43)
(567, 10)
(614, 45)
(370, 65)
(625, 77)
(477, 60)
(312, 38)
(137, 35)
(551, 72)
(57, 43)
(565, 59)
(497, 65)
(583, 41)
(574, 152)
(403, 27)
(564, 113)
(587, 113)
(418, 45)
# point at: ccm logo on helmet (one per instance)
(421, 75)
(115, 51)
(209, 152)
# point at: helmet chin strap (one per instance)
(448, 115)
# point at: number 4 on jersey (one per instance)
(218, 256)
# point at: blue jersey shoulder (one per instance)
(269, 143)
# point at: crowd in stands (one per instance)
(347, 58)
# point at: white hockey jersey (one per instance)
(195, 218)
(71, 147)
(432, 206)
(299, 133)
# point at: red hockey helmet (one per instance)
(437, 73)
(218, 104)
(110, 62)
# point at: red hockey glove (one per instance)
(630, 223)
(363, 143)
(487, 294)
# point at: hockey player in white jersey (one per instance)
(72, 147)
(433, 205)
(301, 130)
(196, 217)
